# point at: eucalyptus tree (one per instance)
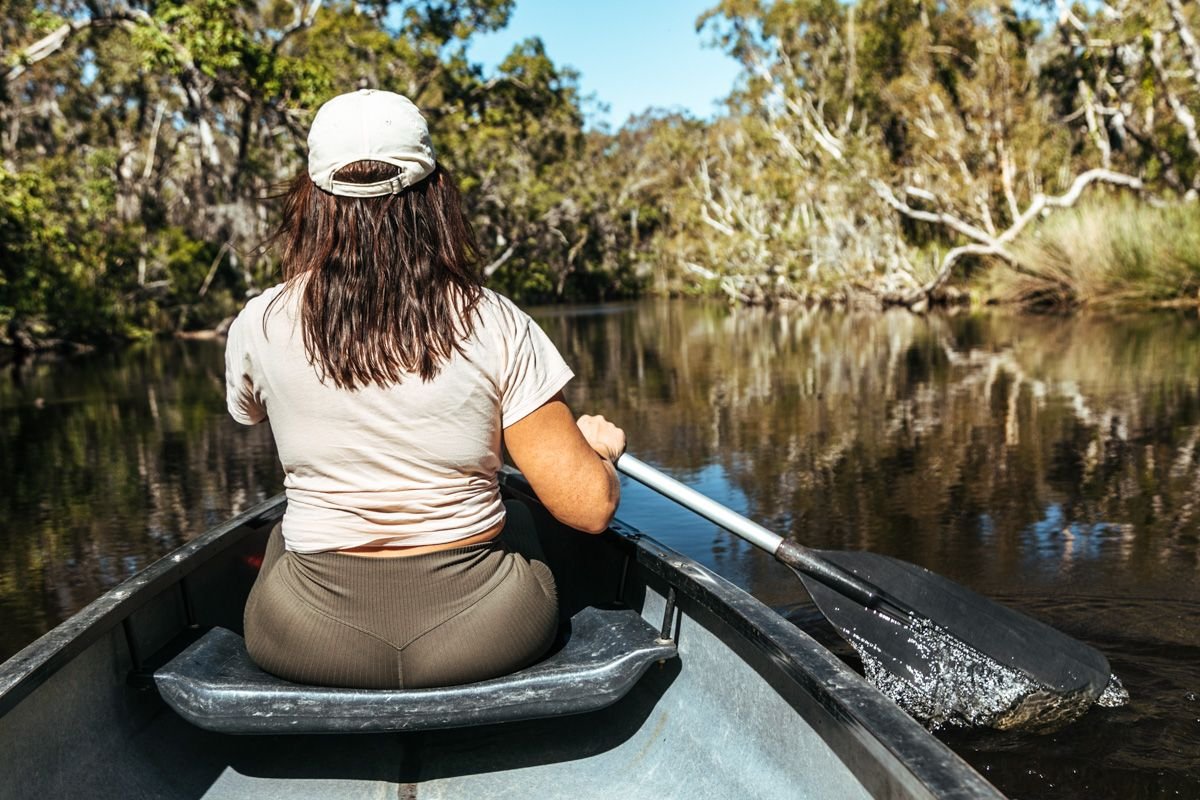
(874, 146)
(141, 143)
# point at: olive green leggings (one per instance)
(438, 619)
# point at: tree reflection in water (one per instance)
(108, 462)
(985, 447)
(1050, 463)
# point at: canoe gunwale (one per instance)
(32, 666)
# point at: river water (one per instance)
(1050, 464)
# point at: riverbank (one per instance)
(872, 154)
(1115, 253)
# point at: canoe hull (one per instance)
(752, 706)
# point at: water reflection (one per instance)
(1049, 463)
(108, 462)
(988, 448)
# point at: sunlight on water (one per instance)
(965, 688)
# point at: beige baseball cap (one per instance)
(369, 125)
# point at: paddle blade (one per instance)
(962, 659)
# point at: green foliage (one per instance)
(142, 183)
(968, 111)
(141, 151)
(49, 258)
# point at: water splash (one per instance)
(963, 687)
(1114, 694)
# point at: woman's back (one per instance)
(412, 463)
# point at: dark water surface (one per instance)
(1051, 464)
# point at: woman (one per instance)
(391, 378)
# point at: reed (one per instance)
(1109, 253)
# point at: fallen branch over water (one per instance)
(985, 244)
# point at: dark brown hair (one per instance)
(391, 285)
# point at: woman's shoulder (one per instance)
(257, 306)
(491, 299)
(250, 323)
(496, 310)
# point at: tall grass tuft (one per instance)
(1111, 252)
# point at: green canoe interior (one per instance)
(752, 707)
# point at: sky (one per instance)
(631, 54)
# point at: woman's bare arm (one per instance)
(569, 464)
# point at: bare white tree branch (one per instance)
(985, 244)
(1182, 114)
(1186, 38)
(303, 15)
(53, 41)
(491, 268)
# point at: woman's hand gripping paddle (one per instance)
(943, 652)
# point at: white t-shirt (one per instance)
(413, 464)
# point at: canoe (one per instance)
(667, 681)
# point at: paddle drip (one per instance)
(964, 687)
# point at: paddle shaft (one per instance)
(848, 588)
(798, 557)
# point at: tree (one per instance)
(154, 134)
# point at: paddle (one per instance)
(943, 652)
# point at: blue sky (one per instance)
(630, 55)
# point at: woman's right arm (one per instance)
(569, 464)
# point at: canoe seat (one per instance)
(213, 684)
